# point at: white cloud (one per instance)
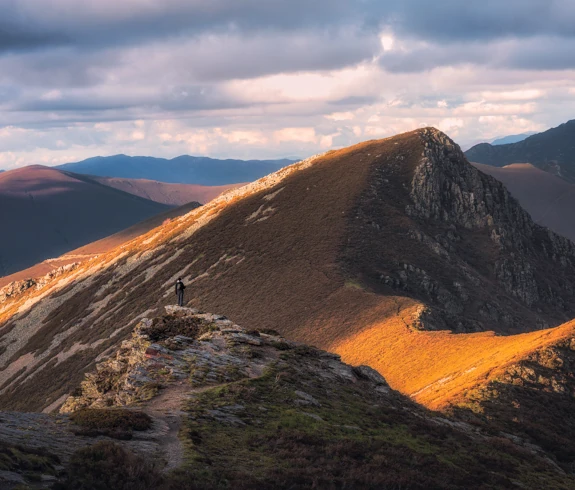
(304, 135)
(521, 94)
(387, 41)
(341, 116)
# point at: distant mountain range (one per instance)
(514, 138)
(181, 170)
(552, 151)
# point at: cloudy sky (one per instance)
(274, 78)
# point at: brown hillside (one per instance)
(548, 199)
(363, 251)
(164, 193)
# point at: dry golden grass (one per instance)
(436, 367)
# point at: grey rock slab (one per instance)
(371, 374)
(308, 399)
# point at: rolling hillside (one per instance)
(169, 194)
(396, 253)
(45, 213)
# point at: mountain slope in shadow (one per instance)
(552, 151)
(45, 213)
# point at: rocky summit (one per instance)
(395, 254)
(193, 400)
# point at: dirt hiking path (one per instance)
(166, 410)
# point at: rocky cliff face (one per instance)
(481, 236)
(446, 189)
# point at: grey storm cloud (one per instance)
(34, 23)
(25, 24)
(181, 98)
(450, 20)
(273, 36)
(223, 58)
(536, 53)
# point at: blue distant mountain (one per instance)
(514, 138)
(181, 170)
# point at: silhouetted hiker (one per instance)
(180, 286)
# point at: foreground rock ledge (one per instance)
(189, 348)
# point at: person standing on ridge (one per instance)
(180, 286)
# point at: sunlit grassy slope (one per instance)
(435, 367)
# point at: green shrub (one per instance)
(172, 325)
(117, 423)
(107, 466)
(281, 345)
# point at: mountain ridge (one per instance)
(195, 248)
(552, 150)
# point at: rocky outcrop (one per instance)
(16, 288)
(446, 190)
(273, 401)
(197, 349)
(432, 227)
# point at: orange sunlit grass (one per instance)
(436, 367)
